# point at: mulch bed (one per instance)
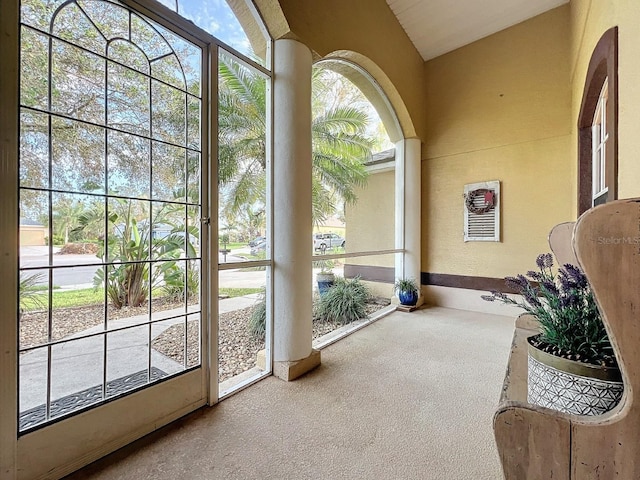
(79, 249)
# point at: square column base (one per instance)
(419, 303)
(288, 371)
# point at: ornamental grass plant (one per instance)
(344, 302)
(570, 323)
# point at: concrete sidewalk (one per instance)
(77, 364)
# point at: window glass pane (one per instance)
(111, 19)
(242, 324)
(73, 25)
(70, 391)
(599, 150)
(77, 83)
(231, 22)
(33, 387)
(241, 163)
(128, 54)
(128, 106)
(169, 171)
(34, 62)
(168, 107)
(34, 149)
(38, 13)
(169, 70)
(149, 38)
(128, 164)
(34, 303)
(128, 355)
(78, 151)
(34, 223)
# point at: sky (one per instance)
(217, 18)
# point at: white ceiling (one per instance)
(440, 26)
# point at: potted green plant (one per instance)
(572, 367)
(325, 277)
(407, 289)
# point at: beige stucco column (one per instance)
(292, 224)
(408, 201)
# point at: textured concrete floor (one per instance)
(409, 397)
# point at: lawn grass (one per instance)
(89, 296)
(233, 245)
(237, 292)
(66, 298)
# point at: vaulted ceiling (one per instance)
(440, 26)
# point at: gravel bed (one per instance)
(67, 321)
(237, 349)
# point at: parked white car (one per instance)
(327, 241)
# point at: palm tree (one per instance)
(340, 145)
(65, 216)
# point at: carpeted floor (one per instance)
(411, 396)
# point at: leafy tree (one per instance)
(113, 130)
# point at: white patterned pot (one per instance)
(571, 387)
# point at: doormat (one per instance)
(84, 398)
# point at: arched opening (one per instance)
(373, 220)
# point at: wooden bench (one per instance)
(536, 443)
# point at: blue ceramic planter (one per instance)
(408, 298)
(325, 282)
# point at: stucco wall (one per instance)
(589, 20)
(32, 235)
(371, 221)
(499, 109)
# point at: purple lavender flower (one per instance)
(550, 287)
(544, 260)
(564, 306)
(535, 276)
(570, 300)
(576, 275)
(566, 283)
(514, 283)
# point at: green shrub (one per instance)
(258, 319)
(57, 240)
(344, 302)
(176, 282)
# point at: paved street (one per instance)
(71, 275)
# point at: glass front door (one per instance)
(113, 189)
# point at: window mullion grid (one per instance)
(186, 264)
(56, 194)
(113, 61)
(50, 229)
(106, 269)
(151, 219)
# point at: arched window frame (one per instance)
(601, 82)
